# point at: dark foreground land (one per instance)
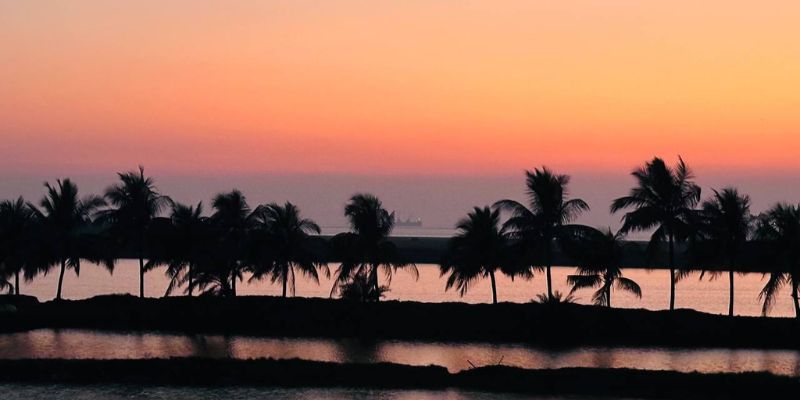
(298, 373)
(537, 324)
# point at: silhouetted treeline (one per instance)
(211, 252)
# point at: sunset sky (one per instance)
(400, 88)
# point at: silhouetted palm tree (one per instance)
(136, 202)
(545, 220)
(599, 254)
(286, 236)
(233, 220)
(66, 221)
(17, 251)
(366, 249)
(664, 200)
(726, 226)
(478, 250)
(779, 228)
(189, 247)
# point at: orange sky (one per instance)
(398, 87)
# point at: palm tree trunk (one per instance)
(795, 298)
(16, 283)
(373, 277)
(191, 283)
(141, 276)
(549, 276)
(494, 287)
(671, 272)
(233, 285)
(285, 278)
(61, 278)
(730, 303)
(608, 296)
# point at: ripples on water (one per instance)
(707, 296)
(47, 343)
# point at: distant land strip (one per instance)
(203, 372)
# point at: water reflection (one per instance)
(47, 343)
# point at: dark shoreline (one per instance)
(202, 372)
(565, 325)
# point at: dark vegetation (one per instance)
(548, 325)
(209, 255)
(299, 373)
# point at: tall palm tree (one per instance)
(726, 225)
(189, 245)
(478, 250)
(287, 241)
(663, 199)
(545, 220)
(66, 220)
(367, 249)
(17, 251)
(600, 254)
(234, 221)
(779, 229)
(135, 202)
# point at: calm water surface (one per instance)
(119, 392)
(707, 295)
(48, 343)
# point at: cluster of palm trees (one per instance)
(665, 202)
(210, 254)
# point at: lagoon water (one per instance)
(47, 343)
(707, 295)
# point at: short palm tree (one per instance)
(135, 202)
(663, 199)
(367, 249)
(779, 230)
(545, 220)
(66, 221)
(726, 225)
(478, 250)
(287, 238)
(600, 254)
(233, 221)
(189, 246)
(17, 251)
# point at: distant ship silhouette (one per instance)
(408, 222)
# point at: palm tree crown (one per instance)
(17, 249)
(545, 220)
(66, 218)
(287, 239)
(600, 254)
(366, 249)
(233, 220)
(663, 199)
(725, 226)
(478, 250)
(135, 202)
(779, 229)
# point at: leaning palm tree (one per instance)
(726, 225)
(66, 221)
(600, 254)
(545, 220)
(366, 250)
(233, 221)
(478, 250)
(779, 230)
(17, 250)
(287, 240)
(135, 202)
(663, 199)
